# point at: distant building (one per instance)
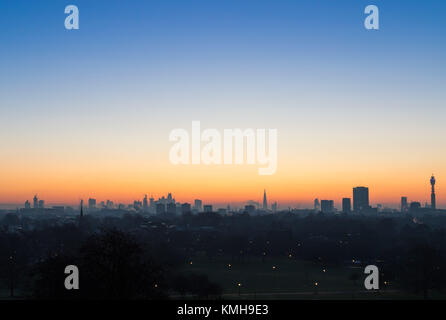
(265, 202)
(27, 205)
(137, 205)
(81, 207)
(198, 205)
(346, 205)
(317, 205)
(221, 211)
(35, 202)
(404, 204)
(433, 200)
(186, 208)
(91, 203)
(415, 206)
(360, 199)
(145, 204)
(327, 206)
(207, 208)
(41, 204)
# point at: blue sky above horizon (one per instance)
(113, 89)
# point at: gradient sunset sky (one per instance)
(88, 112)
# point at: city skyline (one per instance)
(88, 112)
(357, 201)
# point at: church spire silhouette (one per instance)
(81, 214)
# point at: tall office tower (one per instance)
(145, 204)
(317, 206)
(208, 208)
(327, 206)
(265, 203)
(27, 204)
(404, 205)
(41, 204)
(360, 199)
(91, 203)
(433, 202)
(346, 205)
(35, 202)
(169, 198)
(198, 204)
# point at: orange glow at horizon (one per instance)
(215, 184)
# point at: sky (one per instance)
(88, 112)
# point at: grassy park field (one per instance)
(287, 278)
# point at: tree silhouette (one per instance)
(112, 265)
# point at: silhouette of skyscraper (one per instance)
(404, 204)
(327, 206)
(170, 198)
(35, 202)
(91, 203)
(360, 198)
(186, 208)
(414, 206)
(433, 201)
(265, 203)
(346, 205)
(317, 205)
(145, 204)
(198, 204)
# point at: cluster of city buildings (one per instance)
(164, 205)
(361, 203)
(168, 206)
